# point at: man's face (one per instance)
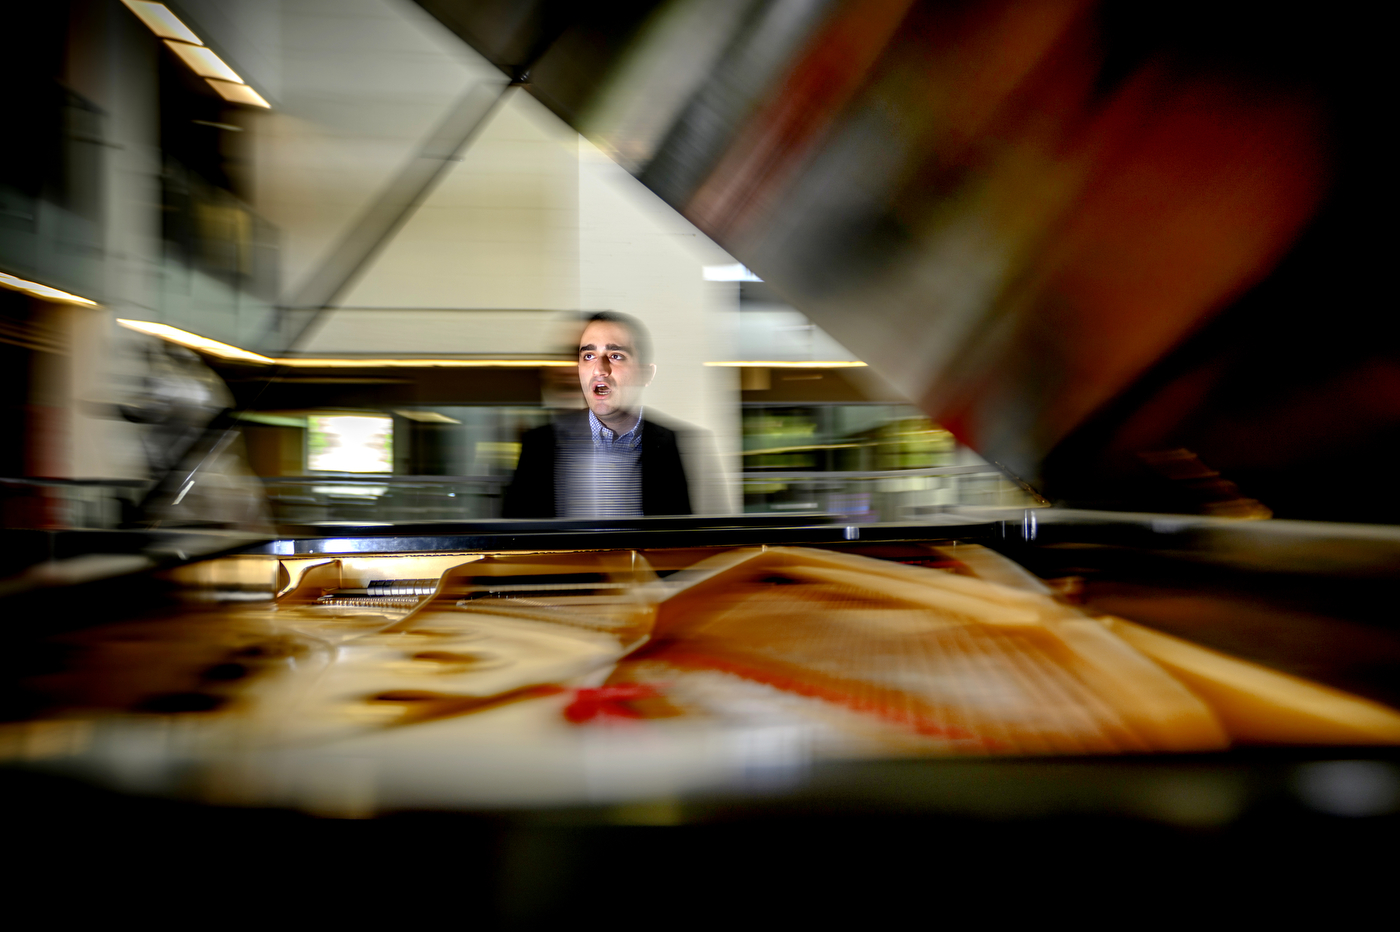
(610, 373)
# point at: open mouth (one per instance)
(602, 389)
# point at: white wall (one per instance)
(638, 256)
(401, 331)
(500, 230)
(361, 85)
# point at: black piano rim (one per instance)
(608, 534)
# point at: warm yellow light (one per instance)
(161, 21)
(238, 93)
(225, 351)
(313, 362)
(204, 62)
(790, 364)
(426, 417)
(42, 291)
(195, 342)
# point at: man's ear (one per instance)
(651, 373)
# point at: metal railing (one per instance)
(355, 497)
(877, 495)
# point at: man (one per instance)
(609, 461)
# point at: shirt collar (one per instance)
(604, 435)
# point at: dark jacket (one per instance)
(531, 491)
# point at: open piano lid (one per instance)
(1119, 249)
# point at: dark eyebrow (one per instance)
(611, 346)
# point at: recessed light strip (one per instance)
(196, 342)
(226, 351)
(42, 291)
(422, 362)
(790, 364)
(193, 52)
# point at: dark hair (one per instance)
(641, 340)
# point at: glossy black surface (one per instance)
(745, 531)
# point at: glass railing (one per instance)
(879, 495)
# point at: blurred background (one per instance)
(338, 233)
(897, 257)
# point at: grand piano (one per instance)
(1117, 252)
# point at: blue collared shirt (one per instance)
(605, 438)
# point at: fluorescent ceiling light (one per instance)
(238, 94)
(161, 21)
(730, 273)
(42, 291)
(791, 364)
(195, 342)
(204, 62)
